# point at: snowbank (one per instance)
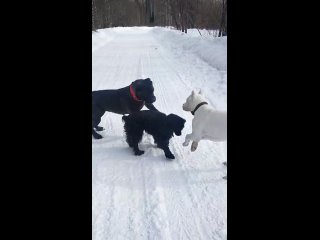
(204, 33)
(209, 49)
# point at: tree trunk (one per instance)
(95, 24)
(222, 29)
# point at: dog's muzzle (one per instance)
(152, 100)
(184, 108)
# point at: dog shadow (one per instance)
(125, 153)
(105, 139)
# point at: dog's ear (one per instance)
(201, 93)
(193, 92)
(136, 82)
(176, 123)
(137, 85)
(148, 79)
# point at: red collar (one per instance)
(133, 95)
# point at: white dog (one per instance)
(207, 124)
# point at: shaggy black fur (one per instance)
(120, 101)
(155, 123)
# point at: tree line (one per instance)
(182, 14)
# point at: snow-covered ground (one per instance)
(148, 197)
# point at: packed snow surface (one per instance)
(148, 197)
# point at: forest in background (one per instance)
(181, 14)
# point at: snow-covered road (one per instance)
(148, 197)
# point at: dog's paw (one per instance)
(138, 153)
(185, 144)
(99, 129)
(194, 146)
(170, 156)
(97, 136)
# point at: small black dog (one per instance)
(155, 123)
(122, 101)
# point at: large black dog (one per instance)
(125, 100)
(157, 124)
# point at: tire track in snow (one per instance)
(152, 205)
(177, 147)
(101, 220)
(100, 78)
(165, 94)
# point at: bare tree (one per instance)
(182, 14)
(223, 25)
(141, 12)
(94, 16)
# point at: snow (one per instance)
(148, 197)
(204, 33)
(101, 37)
(209, 49)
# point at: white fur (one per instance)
(207, 124)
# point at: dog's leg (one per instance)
(99, 129)
(136, 150)
(96, 118)
(95, 134)
(95, 123)
(133, 137)
(194, 146)
(155, 144)
(133, 142)
(188, 139)
(164, 145)
(196, 140)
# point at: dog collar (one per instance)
(133, 95)
(199, 105)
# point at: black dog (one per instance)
(122, 101)
(157, 124)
